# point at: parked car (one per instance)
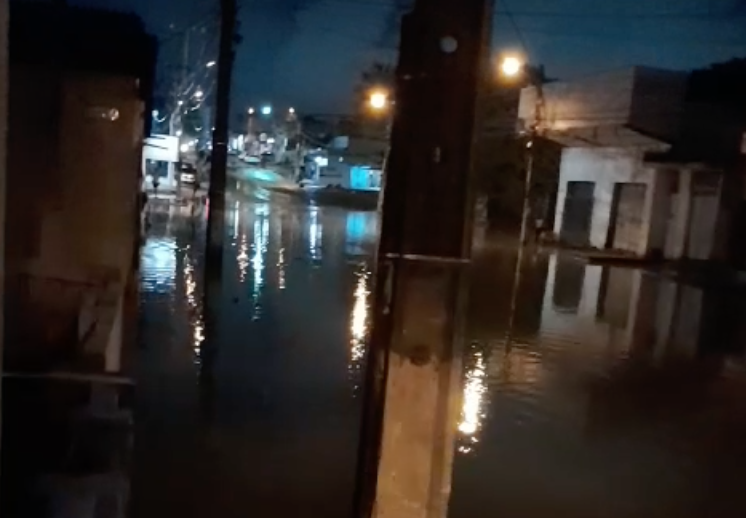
(187, 174)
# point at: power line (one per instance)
(667, 15)
(517, 29)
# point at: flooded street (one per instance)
(268, 422)
(609, 392)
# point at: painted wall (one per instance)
(647, 99)
(100, 160)
(76, 142)
(604, 167)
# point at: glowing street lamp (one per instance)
(378, 100)
(199, 94)
(266, 110)
(251, 111)
(511, 66)
(291, 111)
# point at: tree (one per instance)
(187, 77)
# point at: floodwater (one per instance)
(264, 422)
(609, 392)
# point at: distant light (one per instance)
(378, 100)
(180, 103)
(155, 114)
(266, 110)
(291, 110)
(251, 111)
(511, 66)
(210, 64)
(178, 133)
(184, 148)
(199, 94)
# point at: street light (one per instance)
(291, 111)
(378, 100)
(199, 94)
(266, 110)
(251, 111)
(511, 66)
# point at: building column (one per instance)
(657, 209)
(680, 225)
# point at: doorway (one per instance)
(578, 214)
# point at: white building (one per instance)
(637, 175)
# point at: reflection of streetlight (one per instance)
(511, 66)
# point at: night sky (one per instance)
(308, 53)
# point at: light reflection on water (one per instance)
(258, 259)
(315, 234)
(242, 258)
(359, 325)
(281, 268)
(474, 395)
(194, 306)
(158, 264)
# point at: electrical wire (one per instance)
(518, 32)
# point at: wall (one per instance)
(605, 167)
(93, 219)
(74, 184)
(3, 168)
(33, 145)
(645, 99)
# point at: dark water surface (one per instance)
(608, 393)
(267, 426)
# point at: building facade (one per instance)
(637, 174)
(76, 126)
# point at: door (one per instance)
(626, 221)
(577, 214)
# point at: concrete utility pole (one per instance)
(219, 163)
(216, 195)
(414, 366)
(536, 79)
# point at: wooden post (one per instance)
(413, 385)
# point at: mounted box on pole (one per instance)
(414, 371)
